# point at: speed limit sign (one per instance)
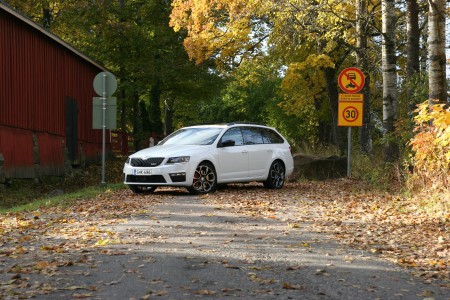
(350, 112)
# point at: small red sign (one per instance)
(351, 80)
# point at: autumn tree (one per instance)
(293, 31)
(389, 66)
(40, 11)
(247, 96)
(134, 41)
(412, 49)
(436, 51)
(307, 43)
(362, 60)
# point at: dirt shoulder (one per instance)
(242, 242)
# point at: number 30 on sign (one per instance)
(350, 114)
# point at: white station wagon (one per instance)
(202, 157)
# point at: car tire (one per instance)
(142, 189)
(205, 179)
(276, 177)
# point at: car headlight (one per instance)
(128, 160)
(178, 160)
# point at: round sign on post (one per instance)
(350, 114)
(351, 80)
(109, 85)
(105, 84)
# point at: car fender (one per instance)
(286, 158)
(208, 155)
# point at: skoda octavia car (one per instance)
(202, 157)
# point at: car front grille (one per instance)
(149, 162)
(146, 179)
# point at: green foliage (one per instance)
(412, 92)
(247, 95)
(382, 176)
(133, 39)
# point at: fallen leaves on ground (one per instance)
(397, 228)
(41, 242)
(401, 229)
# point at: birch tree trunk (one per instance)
(365, 137)
(436, 51)
(389, 68)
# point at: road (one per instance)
(186, 247)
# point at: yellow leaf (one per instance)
(102, 242)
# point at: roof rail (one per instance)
(243, 123)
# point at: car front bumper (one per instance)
(165, 175)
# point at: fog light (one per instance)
(178, 177)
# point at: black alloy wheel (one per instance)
(276, 177)
(205, 179)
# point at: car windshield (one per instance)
(192, 136)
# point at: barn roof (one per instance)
(5, 7)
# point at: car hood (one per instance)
(169, 151)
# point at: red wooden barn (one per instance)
(46, 90)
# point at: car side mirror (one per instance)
(227, 143)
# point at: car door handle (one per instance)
(245, 151)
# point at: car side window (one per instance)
(235, 135)
(252, 136)
(271, 137)
(265, 136)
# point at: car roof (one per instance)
(207, 126)
(233, 124)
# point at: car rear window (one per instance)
(252, 136)
(271, 137)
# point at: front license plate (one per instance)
(142, 172)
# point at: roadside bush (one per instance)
(381, 176)
(431, 147)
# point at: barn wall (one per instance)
(37, 74)
(17, 149)
(50, 149)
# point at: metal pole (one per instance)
(349, 150)
(103, 183)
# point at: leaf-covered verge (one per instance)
(35, 245)
(409, 231)
(29, 194)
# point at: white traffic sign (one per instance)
(105, 84)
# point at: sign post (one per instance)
(350, 105)
(105, 84)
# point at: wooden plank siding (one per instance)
(16, 145)
(38, 72)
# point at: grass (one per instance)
(65, 199)
(31, 194)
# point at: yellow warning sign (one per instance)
(350, 113)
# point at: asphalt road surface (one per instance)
(188, 248)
